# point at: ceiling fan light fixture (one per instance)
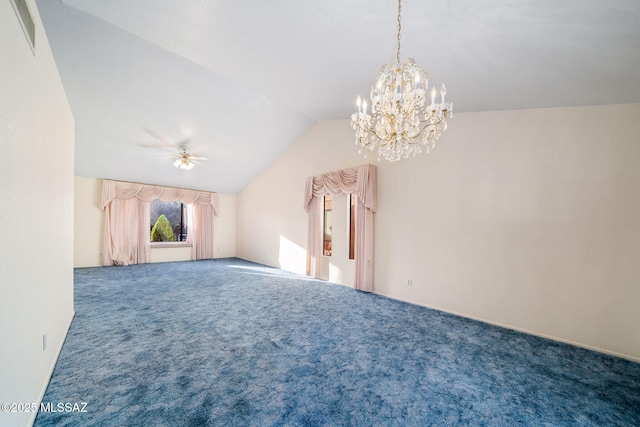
(184, 163)
(185, 160)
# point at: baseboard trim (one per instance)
(515, 328)
(51, 368)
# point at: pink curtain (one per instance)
(360, 181)
(126, 225)
(202, 225)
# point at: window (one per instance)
(352, 225)
(328, 226)
(168, 221)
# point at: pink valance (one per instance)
(360, 181)
(128, 190)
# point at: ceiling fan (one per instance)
(186, 161)
(183, 158)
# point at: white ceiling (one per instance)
(242, 80)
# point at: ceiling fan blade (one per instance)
(150, 145)
(161, 139)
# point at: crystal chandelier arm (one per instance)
(429, 125)
(373, 132)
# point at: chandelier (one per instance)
(400, 123)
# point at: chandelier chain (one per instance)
(399, 28)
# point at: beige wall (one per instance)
(36, 195)
(272, 224)
(89, 223)
(526, 219)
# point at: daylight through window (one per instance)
(352, 225)
(328, 226)
(168, 221)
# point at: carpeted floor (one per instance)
(232, 343)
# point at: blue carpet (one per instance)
(232, 343)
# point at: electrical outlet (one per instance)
(409, 282)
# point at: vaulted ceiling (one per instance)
(239, 81)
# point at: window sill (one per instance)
(170, 244)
